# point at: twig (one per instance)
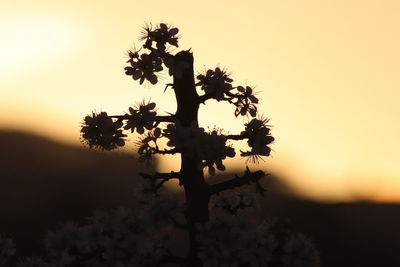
(247, 178)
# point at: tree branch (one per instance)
(236, 137)
(247, 178)
(161, 175)
(165, 151)
(166, 118)
(164, 177)
(205, 97)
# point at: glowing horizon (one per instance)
(326, 72)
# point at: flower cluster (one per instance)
(99, 130)
(145, 66)
(211, 147)
(232, 201)
(233, 241)
(259, 138)
(299, 252)
(162, 209)
(161, 35)
(245, 102)
(142, 117)
(33, 262)
(145, 150)
(215, 83)
(111, 239)
(7, 250)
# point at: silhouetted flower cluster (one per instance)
(232, 201)
(144, 66)
(245, 102)
(145, 150)
(259, 138)
(100, 131)
(215, 82)
(141, 117)
(161, 36)
(211, 147)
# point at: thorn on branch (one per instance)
(168, 85)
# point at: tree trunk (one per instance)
(192, 178)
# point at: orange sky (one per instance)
(327, 73)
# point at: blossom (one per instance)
(247, 93)
(213, 150)
(299, 252)
(140, 118)
(7, 250)
(184, 139)
(211, 147)
(161, 35)
(233, 241)
(143, 67)
(162, 209)
(259, 138)
(145, 150)
(215, 82)
(33, 262)
(99, 130)
(232, 201)
(245, 101)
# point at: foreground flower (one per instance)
(100, 131)
(258, 139)
(215, 82)
(140, 118)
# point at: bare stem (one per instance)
(247, 178)
(167, 118)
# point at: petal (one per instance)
(253, 99)
(157, 132)
(173, 31)
(151, 105)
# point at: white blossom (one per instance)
(211, 147)
(7, 250)
(299, 252)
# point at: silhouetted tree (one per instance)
(220, 231)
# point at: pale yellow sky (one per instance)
(327, 73)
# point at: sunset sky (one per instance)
(327, 73)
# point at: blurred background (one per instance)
(327, 73)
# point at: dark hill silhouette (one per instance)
(44, 183)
